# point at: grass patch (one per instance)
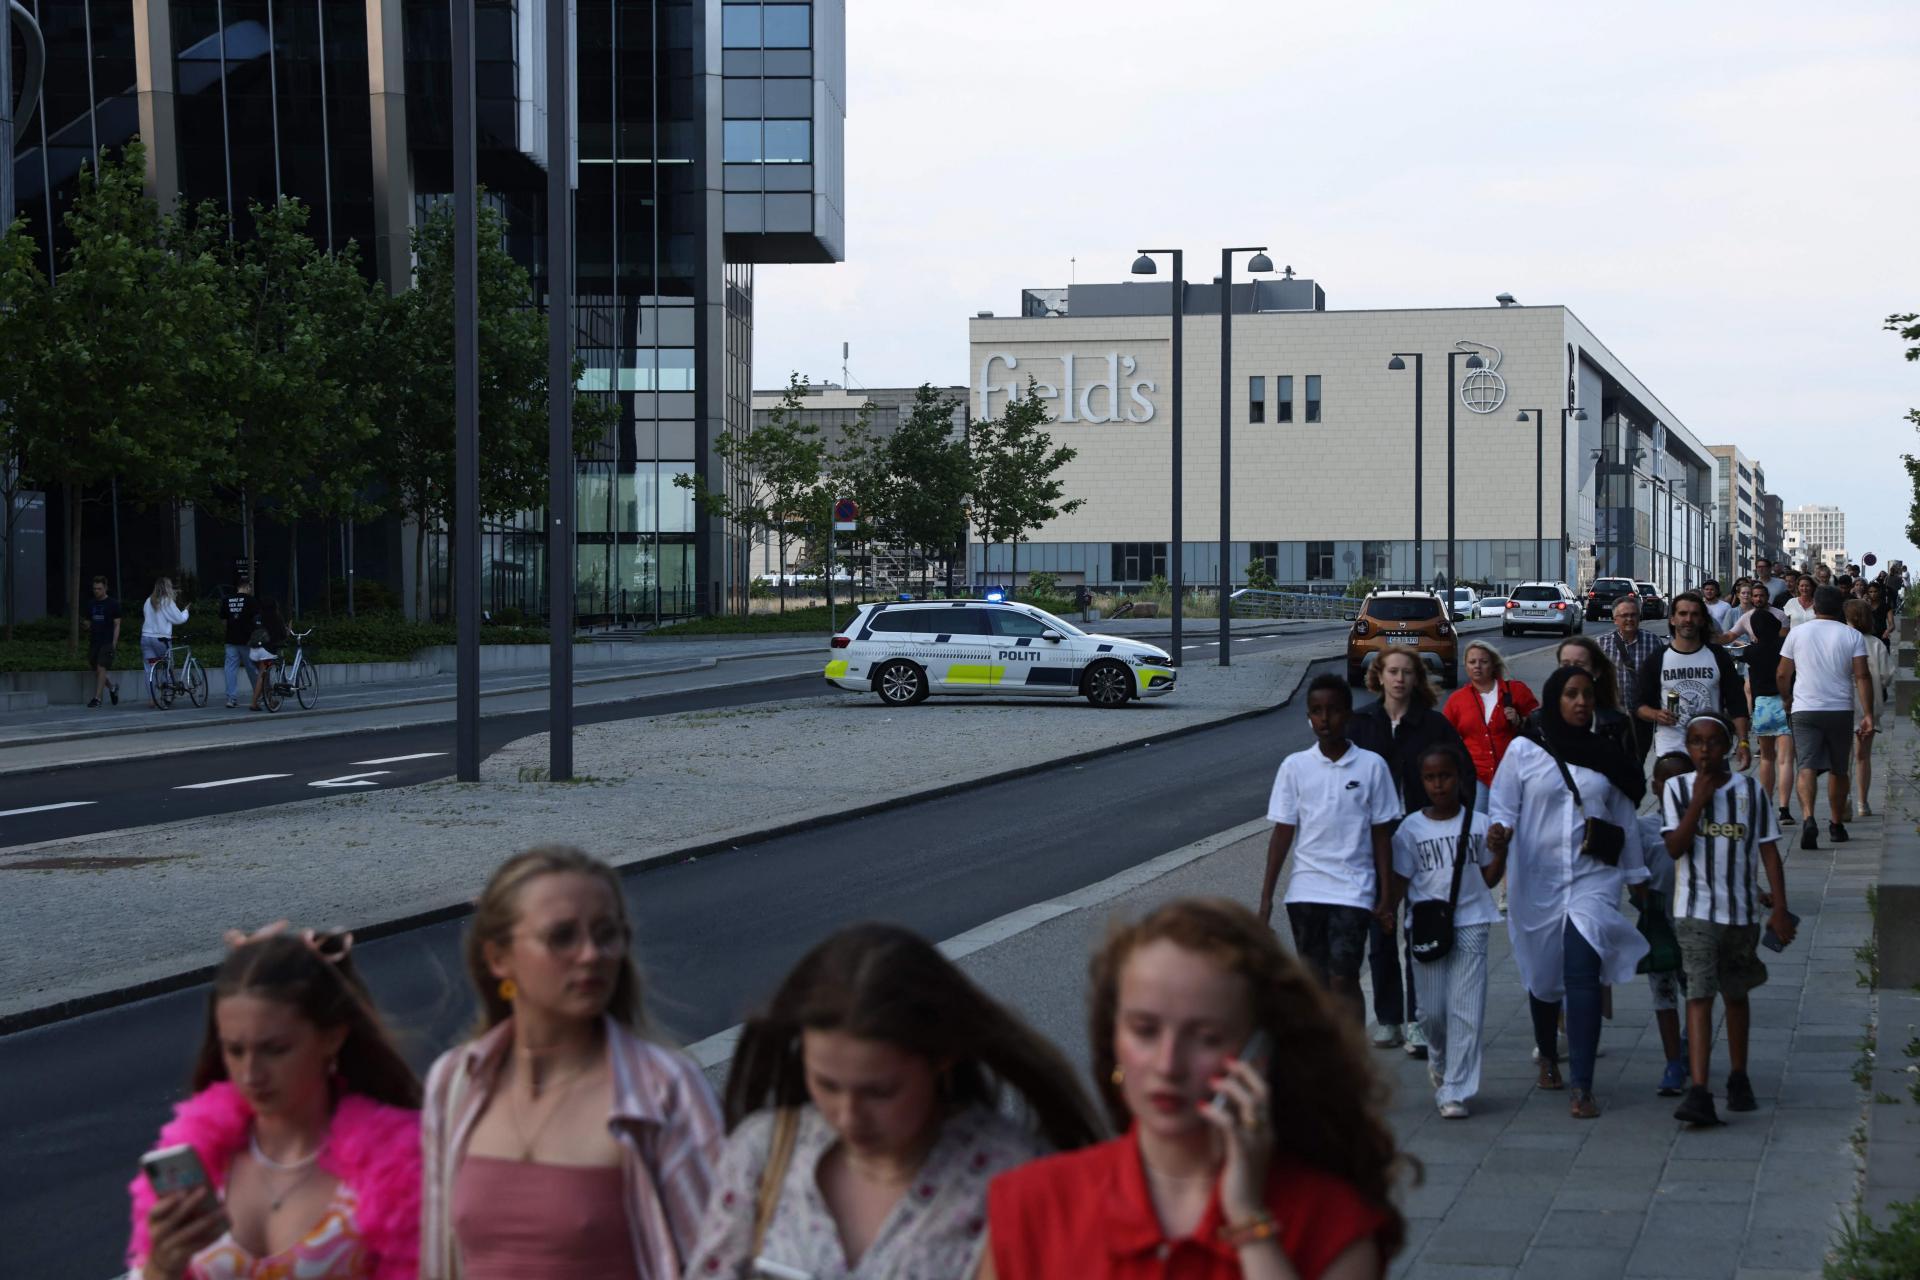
(1863, 1064)
(1867, 954)
(810, 618)
(1864, 1251)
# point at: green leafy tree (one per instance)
(24, 305)
(1908, 327)
(929, 474)
(1259, 577)
(415, 443)
(1015, 485)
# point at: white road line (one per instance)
(419, 755)
(232, 782)
(353, 779)
(47, 808)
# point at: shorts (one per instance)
(1719, 959)
(1666, 989)
(154, 648)
(100, 655)
(1823, 741)
(1769, 716)
(1330, 938)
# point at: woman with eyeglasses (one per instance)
(561, 1143)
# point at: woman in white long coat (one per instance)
(1563, 906)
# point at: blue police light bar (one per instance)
(995, 593)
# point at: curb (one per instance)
(63, 1010)
(700, 664)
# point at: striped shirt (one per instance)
(1627, 659)
(664, 1119)
(1718, 879)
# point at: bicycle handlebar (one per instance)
(301, 635)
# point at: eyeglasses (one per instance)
(563, 940)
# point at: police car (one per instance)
(906, 651)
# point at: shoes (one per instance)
(1453, 1111)
(1697, 1107)
(1416, 1041)
(1837, 833)
(1386, 1036)
(1740, 1092)
(1810, 834)
(1550, 1077)
(113, 691)
(93, 704)
(1581, 1105)
(231, 704)
(1866, 810)
(1786, 815)
(1673, 1081)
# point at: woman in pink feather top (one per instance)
(306, 1121)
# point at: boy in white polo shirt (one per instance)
(1334, 806)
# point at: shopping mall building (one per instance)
(1388, 444)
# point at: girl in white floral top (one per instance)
(884, 1067)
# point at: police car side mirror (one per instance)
(1052, 635)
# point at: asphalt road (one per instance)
(81, 1099)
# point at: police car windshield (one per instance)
(1063, 627)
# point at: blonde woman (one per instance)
(1489, 711)
(1860, 617)
(561, 1143)
(159, 615)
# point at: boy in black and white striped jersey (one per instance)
(1722, 831)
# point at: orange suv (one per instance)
(1412, 620)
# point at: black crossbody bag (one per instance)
(1430, 924)
(1602, 841)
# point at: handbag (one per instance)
(786, 1130)
(1602, 841)
(1430, 923)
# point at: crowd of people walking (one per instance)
(884, 1117)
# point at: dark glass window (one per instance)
(1283, 402)
(1536, 593)
(1403, 609)
(1139, 561)
(1268, 554)
(1376, 560)
(894, 620)
(740, 26)
(793, 97)
(1256, 399)
(789, 142)
(1319, 559)
(969, 622)
(788, 26)
(1313, 397)
(741, 142)
(1006, 622)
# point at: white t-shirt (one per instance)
(1333, 807)
(1823, 652)
(1696, 678)
(1722, 612)
(1487, 703)
(1798, 613)
(1719, 879)
(1423, 852)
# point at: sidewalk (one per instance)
(1519, 1189)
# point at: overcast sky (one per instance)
(1724, 193)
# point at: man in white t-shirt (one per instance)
(1823, 667)
(1720, 613)
(1777, 591)
(1333, 806)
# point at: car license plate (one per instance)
(1403, 638)
(1535, 613)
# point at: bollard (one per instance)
(1909, 628)
(1904, 688)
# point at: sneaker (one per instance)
(1416, 1041)
(1740, 1092)
(1582, 1106)
(113, 691)
(1673, 1081)
(1810, 834)
(1697, 1107)
(1866, 810)
(1453, 1111)
(93, 704)
(1837, 833)
(1786, 817)
(1386, 1036)
(231, 704)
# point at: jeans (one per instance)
(1453, 995)
(1394, 1001)
(237, 669)
(1581, 969)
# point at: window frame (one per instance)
(1256, 397)
(1283, 398)
(1315, 405)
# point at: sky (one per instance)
(1724, 193)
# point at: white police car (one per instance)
(906, 651)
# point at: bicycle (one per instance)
(302, 679)
(164, 683)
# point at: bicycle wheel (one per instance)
(161, 686)
(275, 688)
(306, 687)
(196, 681)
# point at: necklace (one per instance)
(528, 1142)
(304, 1167)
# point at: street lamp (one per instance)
(1473, 362)
(1396, 365)
(1258, 263)
(1177, 287)
(1566, 535)
(1539, 482)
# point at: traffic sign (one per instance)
(846, 515)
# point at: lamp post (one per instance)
(1566, 535)
(465, 534)
(1177, 287)
(1473, 362)
(560, 549)
(1419, 442)
(1258, 263)
(1539, 483)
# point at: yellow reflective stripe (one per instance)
(1148, 674)
(836, 668)
(974, 673)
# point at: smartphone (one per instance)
(174, 1169)
(1771, 940)
(1255, 1050)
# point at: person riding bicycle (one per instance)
(160, 614)
(269, 633)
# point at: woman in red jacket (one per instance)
(1489, 712)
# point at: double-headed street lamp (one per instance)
(1473, 362)
(1396, 364)
(1177, 311)
(1539, 474)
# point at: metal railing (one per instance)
(1249, 602)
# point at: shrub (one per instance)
(1864, 1251)
(1259, 577)
(1043, 585)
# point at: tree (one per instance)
(1014, 487)
(415, 443)
(930, 476)
(1908, 327)
(24, 304)
(774, 476)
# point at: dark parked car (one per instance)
(1602, 594)
(1652, 603)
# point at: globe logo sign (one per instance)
(1483, 390)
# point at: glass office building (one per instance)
(707, 139)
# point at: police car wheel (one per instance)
(1108, 684)
(900, 684)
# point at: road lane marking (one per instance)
(232, 782)
(353, 779)
(419, 755)
(46, 808)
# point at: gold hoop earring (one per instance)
(508, 990)
(1119, 1076)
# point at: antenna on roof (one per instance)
(844, 347)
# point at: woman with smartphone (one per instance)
(562, 1142)
(1254, 1143)
(1563, 808)
(866, 1107)
(299, 1151)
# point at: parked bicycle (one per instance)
(300, 678)
(165, 682)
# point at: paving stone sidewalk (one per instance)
(1520, 1189)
